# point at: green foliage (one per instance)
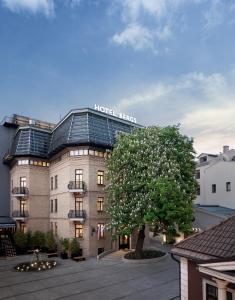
(151, 174)
(50, 241)
(65, 243)
(20, 240)
(38, 240)
(75, 246)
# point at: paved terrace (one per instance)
(106, 279)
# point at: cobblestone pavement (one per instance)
(91, 279)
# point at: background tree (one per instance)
(151, 174)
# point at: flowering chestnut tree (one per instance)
(151, 181)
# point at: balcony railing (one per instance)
(77, 214)
(20, 214)
(20, 191)
(76, 186)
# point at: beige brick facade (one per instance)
(49, 206)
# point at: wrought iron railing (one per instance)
(76, 185)
(80, 214)
(20, 214)
(20, 191)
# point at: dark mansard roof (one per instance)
(78, 127)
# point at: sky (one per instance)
(164, 62)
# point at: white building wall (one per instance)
(218, 173)
(184, 278)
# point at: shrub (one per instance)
(38, 240)
(65, 244)
(75, 247)
(50, 241)
(145, 254)
(21, 241)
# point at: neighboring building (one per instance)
(216, 178)
(207, 263)
(208, 215)
(6, 223)
(58, 176)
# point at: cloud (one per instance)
(46, 7)
(137, 36)
(164, 19)
(202, 104)
(33, 6)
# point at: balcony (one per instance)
(20, 192)
(20, 215)
(77, 215)
(76, 187)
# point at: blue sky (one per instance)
(163, 61)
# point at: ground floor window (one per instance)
(100, 250)
(23, 227)
(100, 230)
(212, 293)
(78, 230)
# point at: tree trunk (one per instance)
(140, 241)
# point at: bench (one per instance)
(52, 254)
(79, 258)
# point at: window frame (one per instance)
(100, 177)
(213, 188)
(100, 204)
(228, 186)
(56, 181)
(52, 183)
(55, 205)
(51, 206)
(78, 232)
(207, 281)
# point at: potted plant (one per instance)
(51, 244)
(38, 240)
(75, 248)
(20, 241)
(65, 243)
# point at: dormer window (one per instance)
(203, 159)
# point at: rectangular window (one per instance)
(91, 152)
(100, 204)
(23, 227)
(78, 176)
(52, 227)
(56, 205)
(100, 230)
(228, 186)
(22, 182)
(51, 206)
(100, 177)
(56, 181)
(55, 229)
(22, 207)
(198, 190)
(78, 230)
(78, 204)
(213, 188)
(52, 183)
(211, 292)
(197, 174)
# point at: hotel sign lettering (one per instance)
(114, 113)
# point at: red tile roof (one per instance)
(215, 242)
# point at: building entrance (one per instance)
(124, 242)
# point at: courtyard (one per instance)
(109, 279)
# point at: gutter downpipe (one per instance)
(172, 256)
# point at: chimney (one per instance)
(225, 149)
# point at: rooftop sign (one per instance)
(111, 112)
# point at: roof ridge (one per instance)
(204, 231)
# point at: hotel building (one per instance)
(57, 176)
